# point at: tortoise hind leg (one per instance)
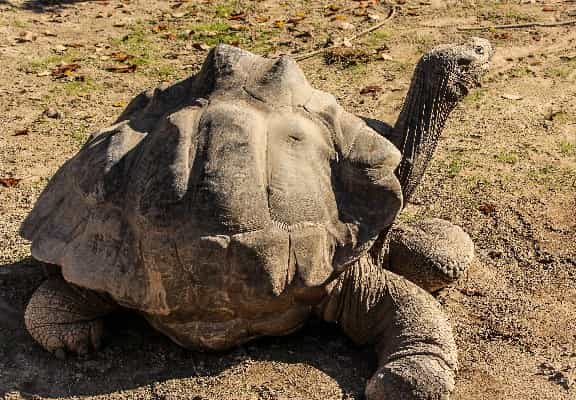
(64, 318)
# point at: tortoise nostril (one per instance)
(464, 61)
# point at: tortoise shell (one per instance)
(212, 205)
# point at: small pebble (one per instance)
(52, 113)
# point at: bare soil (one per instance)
(505, 171)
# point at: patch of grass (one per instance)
(214, 33)
(18, 23)
(507, 158)
(474, 181)
(80, 87)
(80, 134)
(406, 217)
(455, 167)
(403, 67)
(521, 71)
(42, 64)
(567, 148)
(476, 96)
(224, 10)
(516, 15)
(262, 43)
(164, 72)
(562, 70)
(378, 37)
(137, 44)
(541, 174)
(507, 14)
(553, 177)
(358, 70)
(558, 72)
(424, 41)
(560, 117)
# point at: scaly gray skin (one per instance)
(235, 204)
(432, 253)
(441, 79)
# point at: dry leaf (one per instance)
(238, 16)
(123, 69)
(303, 34)
(295, 20)
(21, 132)
(159, 28)
(9, 182)
(169, 36)
(279, 24)
(503, 35)
(365, 4)
(345, 26)
(339, 18)
(262, 18)
(549, 8)
(59, 49)
(487, 208)
(26, 36)
(52, 113)
(171, 56)
(119, 104)
(371, 89)
(64, 70)
(511, 96)
(201, 46)
(121, 57)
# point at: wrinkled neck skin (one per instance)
(425, 111)
(419, 126)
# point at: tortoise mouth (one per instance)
(465, 80)
(462, 88)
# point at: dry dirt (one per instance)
(505, 171)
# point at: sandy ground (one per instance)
(505, 171)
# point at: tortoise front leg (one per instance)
(417, 357)
(64, 318)
(432, 253)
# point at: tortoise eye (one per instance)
(479, 50)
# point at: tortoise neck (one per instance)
(419, 126)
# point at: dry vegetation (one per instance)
(505, 171)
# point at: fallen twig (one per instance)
(350, 39)
(512, 26)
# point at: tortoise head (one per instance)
(455, 69)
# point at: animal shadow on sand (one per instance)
(134, 355)
(41, 6)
